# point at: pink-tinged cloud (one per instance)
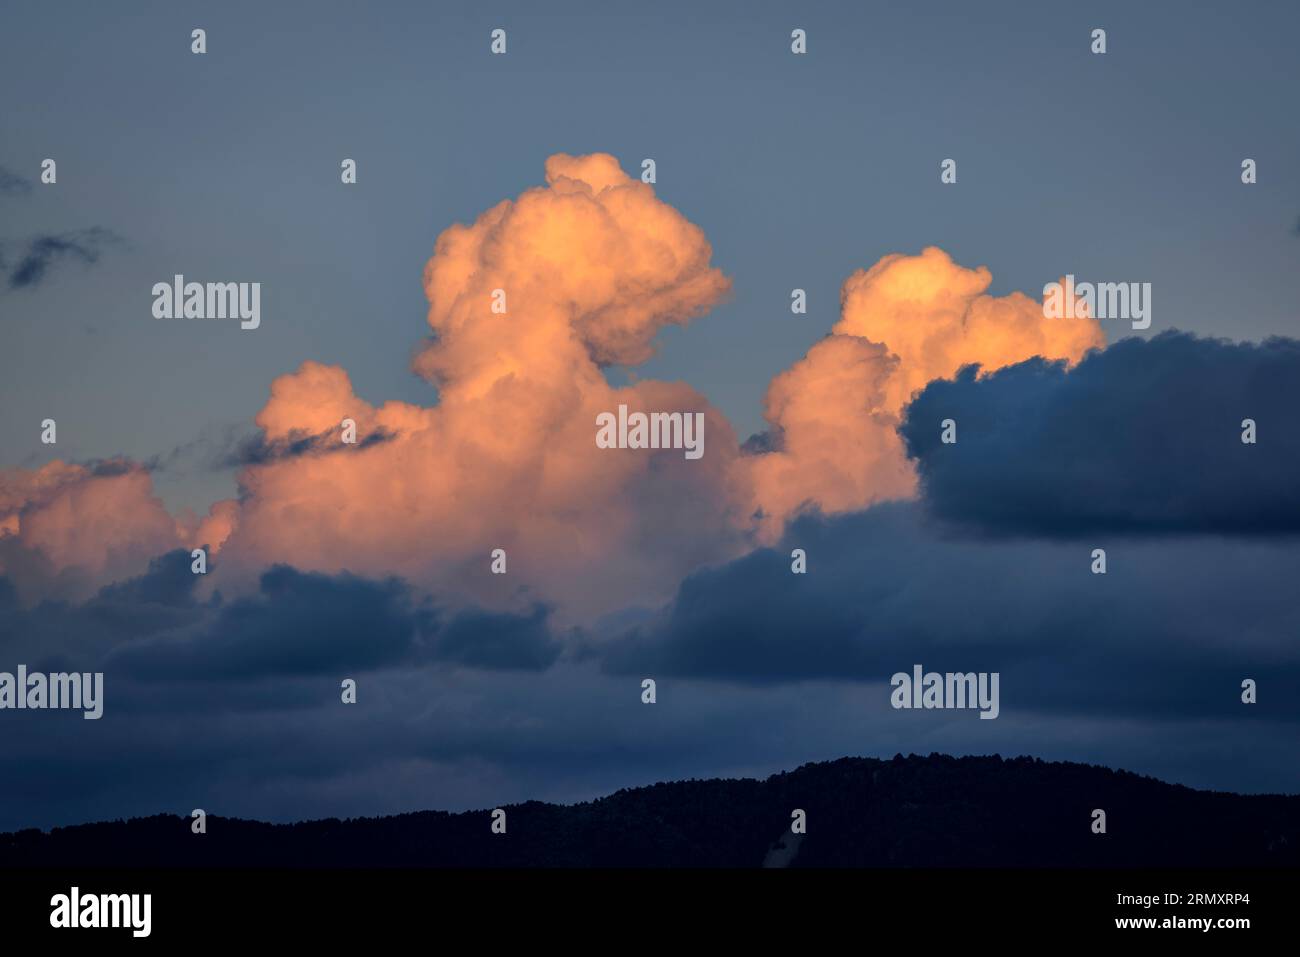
(936, 317)
(592, 266)
(906, 321)
(65, 530)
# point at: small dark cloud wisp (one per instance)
(39, 255)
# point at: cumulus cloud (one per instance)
(904, 322)
(836, 444)
(936, 316)
(66, 529)
(1143, 438)
(592, 266)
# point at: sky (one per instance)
(522, 171)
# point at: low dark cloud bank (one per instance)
(1143, 438)
(1169, 631)
(153, 629)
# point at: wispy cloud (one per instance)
(40, 253)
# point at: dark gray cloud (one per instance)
(1159, 635)
(169, 581)
(117, 465)
(233, 705)
(258, 450)
(484, 639)
(60, 635)
(153, 629)
(220, 448)
(760, 443)
(298, 623)
(303, 623)
(37, 256)
(1142, 438)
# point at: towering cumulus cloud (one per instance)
(587, 270)
(528, 304)
(904, 322)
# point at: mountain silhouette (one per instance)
(935, 811)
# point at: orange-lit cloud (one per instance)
(592, 266)
(68, 529)
(936, 317)
(906, 321)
